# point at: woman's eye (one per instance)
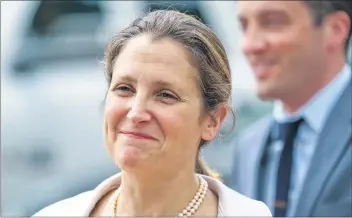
(167, 95)
(124, 90)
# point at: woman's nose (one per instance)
(138, 111)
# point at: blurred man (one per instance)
(298, 161)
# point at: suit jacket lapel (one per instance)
(330, 147)
(248, 174)
(258, 154)
(262, 161)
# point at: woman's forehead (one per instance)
(165, 57)
(166, 50)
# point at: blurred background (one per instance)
(53, 86)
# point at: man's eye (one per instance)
(274, 21)
(243, 25)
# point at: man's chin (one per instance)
(265, 95)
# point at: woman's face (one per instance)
(153, 113)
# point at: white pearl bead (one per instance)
(194, 204)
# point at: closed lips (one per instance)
(138, 135)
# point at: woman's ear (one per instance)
(213, 122)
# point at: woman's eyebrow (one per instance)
(127, 78)
(162, 83)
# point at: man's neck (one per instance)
(297, 100)
(154, 195)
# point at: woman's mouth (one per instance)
(137, 135)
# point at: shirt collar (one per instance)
(316, 110)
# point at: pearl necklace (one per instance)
(189, 210)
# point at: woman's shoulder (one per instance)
(73, 206)
(232, 203)
(236, 204)
(81, 204)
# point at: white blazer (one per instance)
(231, 203)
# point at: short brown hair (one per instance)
(322, 8)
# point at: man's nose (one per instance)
(253, 41)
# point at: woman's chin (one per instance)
(130, 158)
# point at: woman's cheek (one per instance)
(114, 112)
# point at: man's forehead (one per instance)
(254, 7)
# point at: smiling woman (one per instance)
(169, 87)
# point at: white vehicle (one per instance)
(53, 87)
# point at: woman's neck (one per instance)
(155, 196)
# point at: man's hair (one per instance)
(322, 8)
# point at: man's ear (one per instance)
(213, 122)
(336, 28)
